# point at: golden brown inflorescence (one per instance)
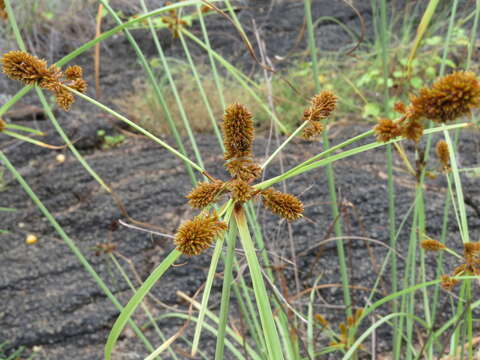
(432, 245)
(244, 169)
(174, 22)
(471, 265)
(3, 125)
(449, 98)
(241, 191)
(196, 235)
(205, 194)
(3, 11)
(24, 67)
(387, 130)
(73, 72)
(448, 283)
(343, 340)
(321, 106)
(237, 132)
(443, 154)
(284, 205)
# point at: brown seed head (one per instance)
(321, 106)
(204, 194)
(73, 72)
(358, 315)
(448, 283)
(321, 320)
(312, 130)
(386, 130)
(244, 169)
(64, 98)
(284, 205)
(19, 65)
(240, 190)
(3, 125)
(412, 130)
(400, 107)
(443, 154)
(432, 245)
(237, 131)
(196, 235)
(471, 251)
(3, 12)
(449, 98)
(205, 9)
(80, 85)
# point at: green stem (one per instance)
(139, 128)
(274, 347)
(158, 93)
(127, 312)
(285, 143)
(227, 283)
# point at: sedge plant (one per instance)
(224, 205)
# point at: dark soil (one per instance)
(50, 304)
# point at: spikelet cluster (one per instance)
(205, 194)
(471, 266)
(240, 190)
(321, 106)
(412, 129)
(174, 22)
(3, 125)
(3, 12)
(237, 132)
(24, 67)
(448, 283)
(321, 320)
(386, 130)
(432, 245)
(196, 235)
(312, 130)
(443, 154)
(284, 205)
(449, 98)
(343, 338)
(244, 169)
